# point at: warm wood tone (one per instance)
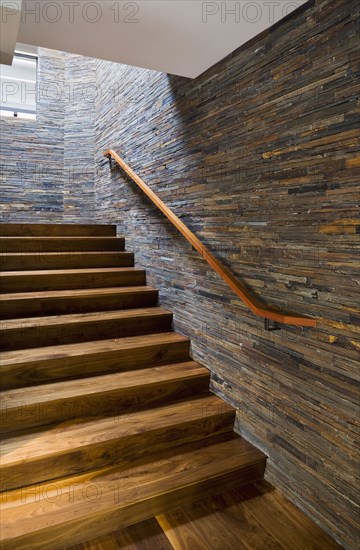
(66, 279)
(124, 439)
(247, 518)
(119, 392)
(65, 260)
(258, 157)
(34, 332)
(146, 535)
(60, 244)
(101, 501)
(253, 517)
(225, 273)
(56, 230)
(62, 302)
(22, 367)
(95, 385)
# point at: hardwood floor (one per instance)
(146, 535)
(255, 517)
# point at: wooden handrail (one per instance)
(252, 302)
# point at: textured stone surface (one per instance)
(79, 136)
(32, 152)
(256, 156)
(47, 164)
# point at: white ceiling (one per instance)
(9, 25)
(183, 37)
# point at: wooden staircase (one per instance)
(106, 419)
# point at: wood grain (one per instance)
(33, 332)
(62, 302)
(60, 244)
(255, 516)
(109, 499)
(56, 230)
(125, 439)
(259, 158)
(33, 406)
(64, 260)
(146, 535)
(23, 367)
(62, 279)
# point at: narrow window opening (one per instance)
(18, 86)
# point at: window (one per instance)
(18, 86)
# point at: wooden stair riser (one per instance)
(56, 230)
(22, 373)
(99, 503)
(21, 416)
(74, 279)
(63, 305)
(124, 450)
(38, 245)
(23, 336)
(64, 260)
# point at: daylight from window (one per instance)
(18, 87)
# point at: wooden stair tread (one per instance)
(40, 238)
(123, 496)
(28, 356)
(15, 261)
(60, 244)
(48, 279)
(75, 318)
(41, 405)
(73, 292)
(90, 358)
(8, 255)
(75, 435)
(57, 229)
(119, 381)
(36, 272)
(34, 332)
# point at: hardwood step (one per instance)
(64, 260)
(60, 244)
(70, 510)
(66, 279)
(61, 302)
(33, 406)
(78, 446)
(56, 230)
(31, 366)
(34, 332)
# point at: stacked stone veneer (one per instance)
(258, 157)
